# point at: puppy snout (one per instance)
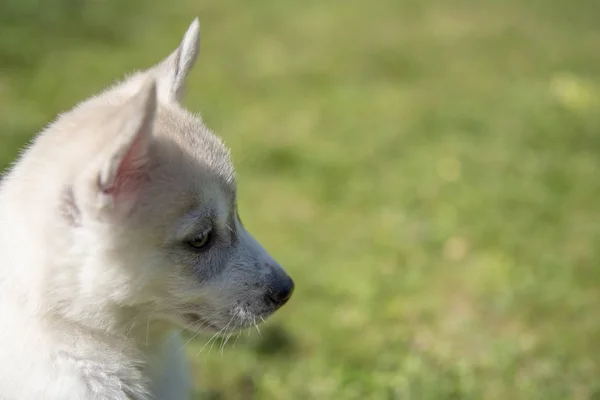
(280, 290)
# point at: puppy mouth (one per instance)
(197, 322)
(239, 320)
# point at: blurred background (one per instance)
(428, 171)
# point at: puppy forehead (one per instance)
(195, 156)
(198, 145)
(194, 174)
(213, 206)
(212, 197)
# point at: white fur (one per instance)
(98, 273)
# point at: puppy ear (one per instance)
(172, 71)
(123, 168)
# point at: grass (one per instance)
(428, 171)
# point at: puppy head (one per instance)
(156, 226)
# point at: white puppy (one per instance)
(119, 226)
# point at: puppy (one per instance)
(118, 228)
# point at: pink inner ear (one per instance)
(132, 172)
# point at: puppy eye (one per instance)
(202, 241)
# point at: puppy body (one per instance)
(118, 228)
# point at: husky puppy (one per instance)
(118, 228)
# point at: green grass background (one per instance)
(427, 170)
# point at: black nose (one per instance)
(281, 291)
